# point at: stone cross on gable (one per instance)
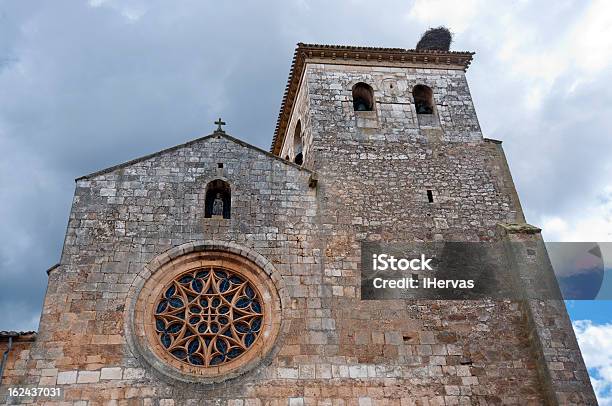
(219, 122)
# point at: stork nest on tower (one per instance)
(438, 39)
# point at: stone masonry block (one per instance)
(88, 377)
(66, 377)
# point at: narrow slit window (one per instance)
(430, 196)
(297, 144)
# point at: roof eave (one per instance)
(18, 335)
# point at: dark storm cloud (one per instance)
(84, 86)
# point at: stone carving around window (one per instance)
(208, 316)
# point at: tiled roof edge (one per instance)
(20, 335)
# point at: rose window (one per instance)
(207, 317)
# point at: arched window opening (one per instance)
(423, 99)
(297, 144)
(363, 97)
(218, 201)
(299, 159)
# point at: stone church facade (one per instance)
(216, 273)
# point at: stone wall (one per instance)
(556, 353)
(384, 167)
(375, 169)
(17, 367)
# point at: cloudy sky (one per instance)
(86, 85)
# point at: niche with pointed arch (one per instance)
(218, 201)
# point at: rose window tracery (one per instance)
(207, 317)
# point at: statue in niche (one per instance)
(217, 208)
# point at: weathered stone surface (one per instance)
(111, 373)
(66, 377)
(88, 377)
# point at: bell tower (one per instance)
(399, 155)
(339, 95)
(397, 131)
